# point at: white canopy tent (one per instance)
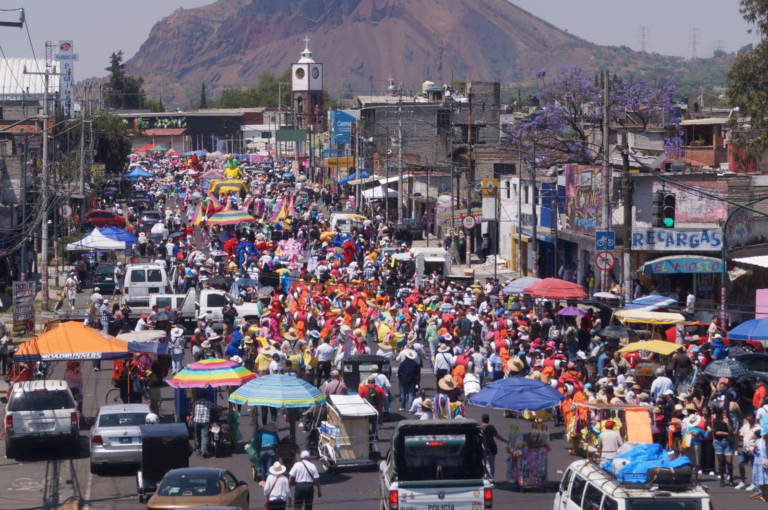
(96, 241)
(378, 193)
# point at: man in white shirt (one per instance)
(382, 381)
(303, 476)
(278, 488)
(141, 325)
(324, 356)
(276, 365)
(662, 385)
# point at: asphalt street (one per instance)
(43, 478)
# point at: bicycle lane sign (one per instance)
(605, 241)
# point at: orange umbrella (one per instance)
(74, 341)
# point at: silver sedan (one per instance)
(115, 436)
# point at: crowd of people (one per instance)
(324, 294)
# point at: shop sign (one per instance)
(683, 265)
(688, 240)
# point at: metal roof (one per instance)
(12, 75)
(706, 122)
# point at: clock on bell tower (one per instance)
(307, 90)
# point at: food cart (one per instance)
(654, 354)
(345, 438)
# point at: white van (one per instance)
(142, 280)
(343, 221)
(587, 487)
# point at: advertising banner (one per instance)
(23, 308)
(583, 198)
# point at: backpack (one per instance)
(372, 397)
(422, 320)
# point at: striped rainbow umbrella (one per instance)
(230, 218)
(278, 391)
(212, 372)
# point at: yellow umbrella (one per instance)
(655, 346)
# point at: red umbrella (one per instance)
(554, 288)
(146, 148)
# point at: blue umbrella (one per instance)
(118, 234)
(755, 329)
(517, 394)
(650, 303)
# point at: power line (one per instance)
(32, 46)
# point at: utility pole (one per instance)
(519, 250)
(627, 192)
(81, 179)
(606, 170)
(357, 163)
(534, 239)
(44, 193)
(470, 178)
(400, 156)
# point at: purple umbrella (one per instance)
(571, 311)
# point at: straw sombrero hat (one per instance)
(385, 346)
(447, 383)
(268, 350)
(291, 336)
(443, 348)
(515, 364)
(277, 469)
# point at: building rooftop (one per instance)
(14, 83)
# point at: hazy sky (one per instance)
(99, 27)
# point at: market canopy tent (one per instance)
(660, 318)
(650, 303)
(73, 341)
(118, 234)
(96, 241)
(519, 285)
(555, 288)
(137, 172)
(654, 346)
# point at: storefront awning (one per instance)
(758, 260)
(384, 180)
(691, 264)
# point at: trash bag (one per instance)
(252, 450)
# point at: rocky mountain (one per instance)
(362, 42)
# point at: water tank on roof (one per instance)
(426, 85)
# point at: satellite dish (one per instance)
(720, 213)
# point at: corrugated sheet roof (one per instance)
(165, 132)
(33, 84)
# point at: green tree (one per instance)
(203, 99)
(124, 91)
(719, 53)
(154, 105)
(112, 143)
(746, 87)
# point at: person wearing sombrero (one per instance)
(277, 489)
(515, 368)
(176, 347)
(444, 361)
(446, 404)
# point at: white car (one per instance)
(115, 436)
(585, 486)
(41, 411)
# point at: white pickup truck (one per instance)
(189, 306)
(436, 465)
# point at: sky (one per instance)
(99, 27)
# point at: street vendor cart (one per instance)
(356, 369)
(345, 439)
(163, 447)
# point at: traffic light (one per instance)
(658, 209)
(669, 211)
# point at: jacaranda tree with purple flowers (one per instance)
(567, 128)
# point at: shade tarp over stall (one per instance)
(72, 341)
(377, 192)
(96, 241)
(640, 317)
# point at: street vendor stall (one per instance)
(631, 421)
(528, 451)
(645, 368)
(345, 438)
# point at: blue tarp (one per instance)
(641, 459)
(136, 173)
(364, 173)
(517, 394)
(118, 234)
(651, 303)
